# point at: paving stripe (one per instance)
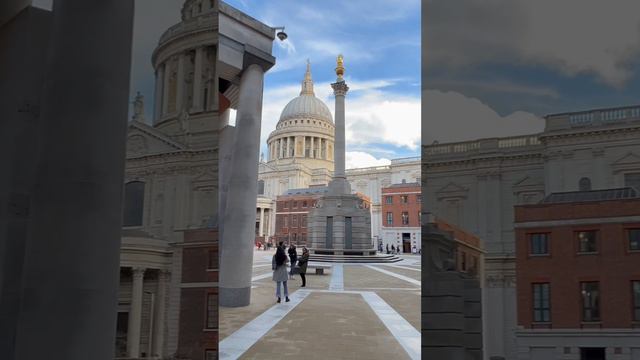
(236, 344)
(401, 277)
(261, 265)
(262, 276)
(402, 267)
(400, 328)
(337, 279)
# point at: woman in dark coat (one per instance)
(302, 263)
(279, 267)
(293, 256)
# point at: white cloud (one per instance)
(571, 36)
(451, 116)
(373, 116)
(359, 159)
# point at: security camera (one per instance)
(282, 35)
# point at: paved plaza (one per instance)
(353, 311)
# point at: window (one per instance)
(133, 203)
(539, 244)
(404, 199)
(295, 204)
(294, 220)
(213, 260)
(420, 218)
(634, 239)
(303, 221)
(286, 204)
(388, 199)
(304, 204)
(463, 261)
(587, 241)
(541, 303)
(390, 218)
(584, 184)
(405, 218)
(286, 221)
(260, 187)
(635, 288)
(419, 199)
(590, 301)
(632, 180)
(212, 311)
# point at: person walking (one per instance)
(293, 257)
(302, 264)
(393, 249)
(387, 248)
(279, 267)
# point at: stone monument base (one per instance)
(340, 224)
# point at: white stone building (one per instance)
(475, 185)
(300, 154)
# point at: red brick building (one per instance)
(198, 323)
(578, 275)
(401, 216)
(292, 209)
(469, 251)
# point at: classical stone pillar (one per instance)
(157, 106)
(224, 163)
(339, 184)
(197, 80)
(135, 314)
(71, 261)
(165, 86)
(286, 153)
(180, 83)
(311, 152)
(239, 217)
(261, 229)
(160, 308)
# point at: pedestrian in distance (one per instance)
(293, 257)
(387, 248)
(393, 249)
(279, 267)
(302, 264)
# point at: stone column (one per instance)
(239, 217)
(165, 87)
(339, 184)
(71, 261)
(197, 80)
(158, 328)
(261, 229)
(311, 152)
(180, 83)
(135, 315)
(286, 154)
(157, 106)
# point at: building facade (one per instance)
(476, 184)
(578, 279)
(401, 212)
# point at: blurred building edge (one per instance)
(61, 181)
(451, 292)
(578, 279)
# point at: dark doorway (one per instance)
(406, 243)
(593, 354)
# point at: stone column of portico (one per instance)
(239, 216)
(180, 83)
(225, 143)
(197, 80)
(157, 106)
(261, 229)
(160, 308)
(135, 314)
(311, 152)
(165, 87)
(71, 262)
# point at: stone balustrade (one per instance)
(483, 145)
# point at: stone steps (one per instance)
(354, 258)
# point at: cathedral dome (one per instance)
(307, 105)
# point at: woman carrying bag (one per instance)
(279, 267)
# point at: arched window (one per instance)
(260, 187)
(585, 184)
(133, 203)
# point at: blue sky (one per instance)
(380, 41)
(496, 68)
